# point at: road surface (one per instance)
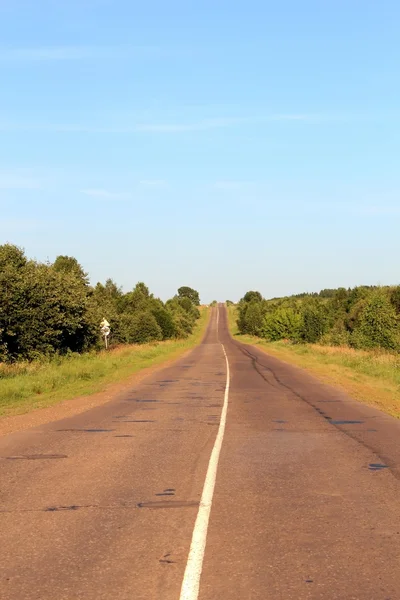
(106, 504)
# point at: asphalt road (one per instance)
(306, 503)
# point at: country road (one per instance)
(106, 504)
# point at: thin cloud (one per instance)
(18, 181)
(103, 194)
(228, 184)
(155, 183)
(74, 53)
(16, 226)
(219, 123)
(378, 210)
(161, 128)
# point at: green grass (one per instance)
(371, 377)
(28, 386)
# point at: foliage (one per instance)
(252, 296)
(315, 322)
(187, 292)
(48, 309)
(364, 317)
(283, 323)
(379, 324)
(140, 328)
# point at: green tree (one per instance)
(69, 264)
(283, 323)
(140, 328)
(253, 318)
(395, 298)
(188, 292)
(166, 322)
(315, 322)
(252, 297)
(379, 324)
(42, 311)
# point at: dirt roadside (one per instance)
(75, 406)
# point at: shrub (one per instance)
(283, 323)
(165, 321)
(378, 324)
(315, 323)
(140, 328)
(253, 319)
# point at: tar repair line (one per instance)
(191, 580)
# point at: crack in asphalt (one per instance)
(256, 364)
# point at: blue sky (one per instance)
(223, 145)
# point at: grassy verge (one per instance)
(28, 386)
(371, 377)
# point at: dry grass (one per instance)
(28, 386)
(370, 377)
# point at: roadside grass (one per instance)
(29, 386)
(372, 377)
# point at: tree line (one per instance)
(51, 308)
(364, 317)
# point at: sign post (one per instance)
(105, 331)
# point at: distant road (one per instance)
(281, 487)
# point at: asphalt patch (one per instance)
(377, 466)
(36, 457)
(169, 504)
(344, 422)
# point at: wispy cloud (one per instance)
(160, 128)
(17, 226)
(228, 184)
(103, 194)
(18, 180)
(220, 123)
(154, 183)
(378, 210)
(74, 53)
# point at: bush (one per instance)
(165, 321)
(140, 328)
(252, 297)
(188, 292)
(315, 323)
(48, 309)
(283, 323)
(338, 335)
(378, 325)
(364, 317)
(253, 319)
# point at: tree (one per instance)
(252, 297)
(140, 328)
(253, 319)
(395, 298)
(315, 322)
(69, 264)
(50, 309)
(283, 323)
(138, 299)
(188, 292)
(378, 325)
(165, 321)
(42, 311)
(12, 257)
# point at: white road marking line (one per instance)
(191, 580)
